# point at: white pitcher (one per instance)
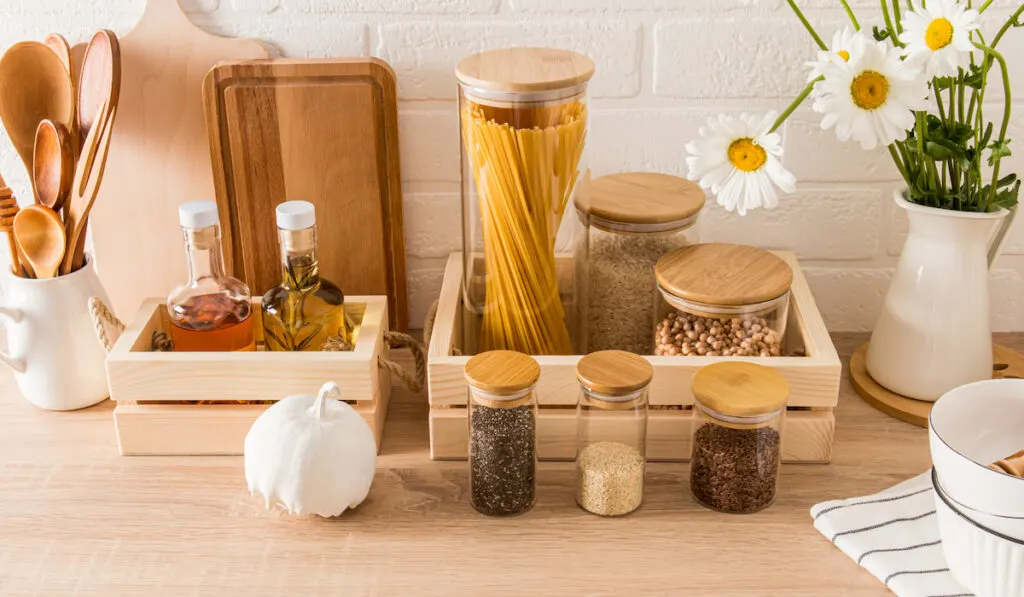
(57, 359)
(934, 332)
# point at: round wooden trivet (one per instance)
(1007, 364)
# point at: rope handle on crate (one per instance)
(103, 318)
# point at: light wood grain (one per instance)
(740, 389)
(78, 519)
(502, 372)
(724, 274)
(524, 69)
(614, 372)
(640, 198)
(323, 131)
(139, 377)
(159, 155)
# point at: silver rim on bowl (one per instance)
(942, 495)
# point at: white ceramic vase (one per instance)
(57, 359)
(934, 332)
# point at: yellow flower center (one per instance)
(869, 90)
(844, 55)
(939, 34)
(746, 155)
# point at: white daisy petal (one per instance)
(738, 159)
(937, 36)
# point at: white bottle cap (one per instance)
(198, 214)
(295, 215)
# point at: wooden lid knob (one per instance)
(724, 274)
(502, 372)
(640, 198)
(614, 372)
(524, 70)
(741, 389)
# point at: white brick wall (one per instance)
(664, 66)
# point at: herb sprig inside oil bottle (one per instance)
(305, 310)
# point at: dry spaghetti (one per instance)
(525, 164)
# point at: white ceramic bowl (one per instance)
(971, 427)
(983, 561)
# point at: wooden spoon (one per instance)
(62, 49)
(100, 82)
(40, 236)
(53, 166)
(34, 85)
(88, 176)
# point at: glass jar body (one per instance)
(615, 280)
(502, 452)
(611, 452)
(211, 311)
(734, 467)
(522, 155)
(685, 328)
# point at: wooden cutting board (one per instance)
(159, 153)
(323, 131)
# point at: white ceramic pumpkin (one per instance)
(311, 454)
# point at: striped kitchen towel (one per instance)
(895, 536)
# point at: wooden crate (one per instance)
(813, 380)
(156, 392)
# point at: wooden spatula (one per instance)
(88, 176)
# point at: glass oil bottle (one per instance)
(305, 310)
(212, 311)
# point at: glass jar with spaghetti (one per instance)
(611, 434)
(523, 115)
(502, 432)
(721, 300)
(630, 221)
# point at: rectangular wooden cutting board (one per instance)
(323, 131)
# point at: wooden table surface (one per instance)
(78, 519)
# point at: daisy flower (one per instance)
(738, 159)
(939, 36)
(844, 45)
(871, 98)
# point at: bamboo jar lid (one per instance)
(640, 198)
(724, 274)
(524, 70)
(614, 372)
(741, 389)
(502, 372)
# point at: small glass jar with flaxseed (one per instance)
(721, 300)
(629, 220)
(612, 431)
(502, 432)
(739, 413)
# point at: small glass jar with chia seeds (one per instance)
(721, 300)
(737, 436)
(612, 431)
(502, 432)
(630, 220)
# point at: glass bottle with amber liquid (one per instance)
(305, 310)
(212, 311)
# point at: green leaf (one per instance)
(987, 135)
(1008, 197)
(941, 83)
(962, 133)
(880, 34)
(1000, 150)
(974, 78)
(936, 151)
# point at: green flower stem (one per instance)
(1010, 22)
(938, 100)
(898, 161)
(888, 24)
(795, 104)
(897, 16)
(807, 25)
(984, 6)
(853, 17)
(1007, 106)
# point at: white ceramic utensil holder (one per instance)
(58, 363)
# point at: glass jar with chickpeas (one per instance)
(720, 299)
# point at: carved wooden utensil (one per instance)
(34, 85)
(53, 166)
(101, 80)
(88, 176)
(40, 236)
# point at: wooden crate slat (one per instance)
(139, 377)
(807, 436)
